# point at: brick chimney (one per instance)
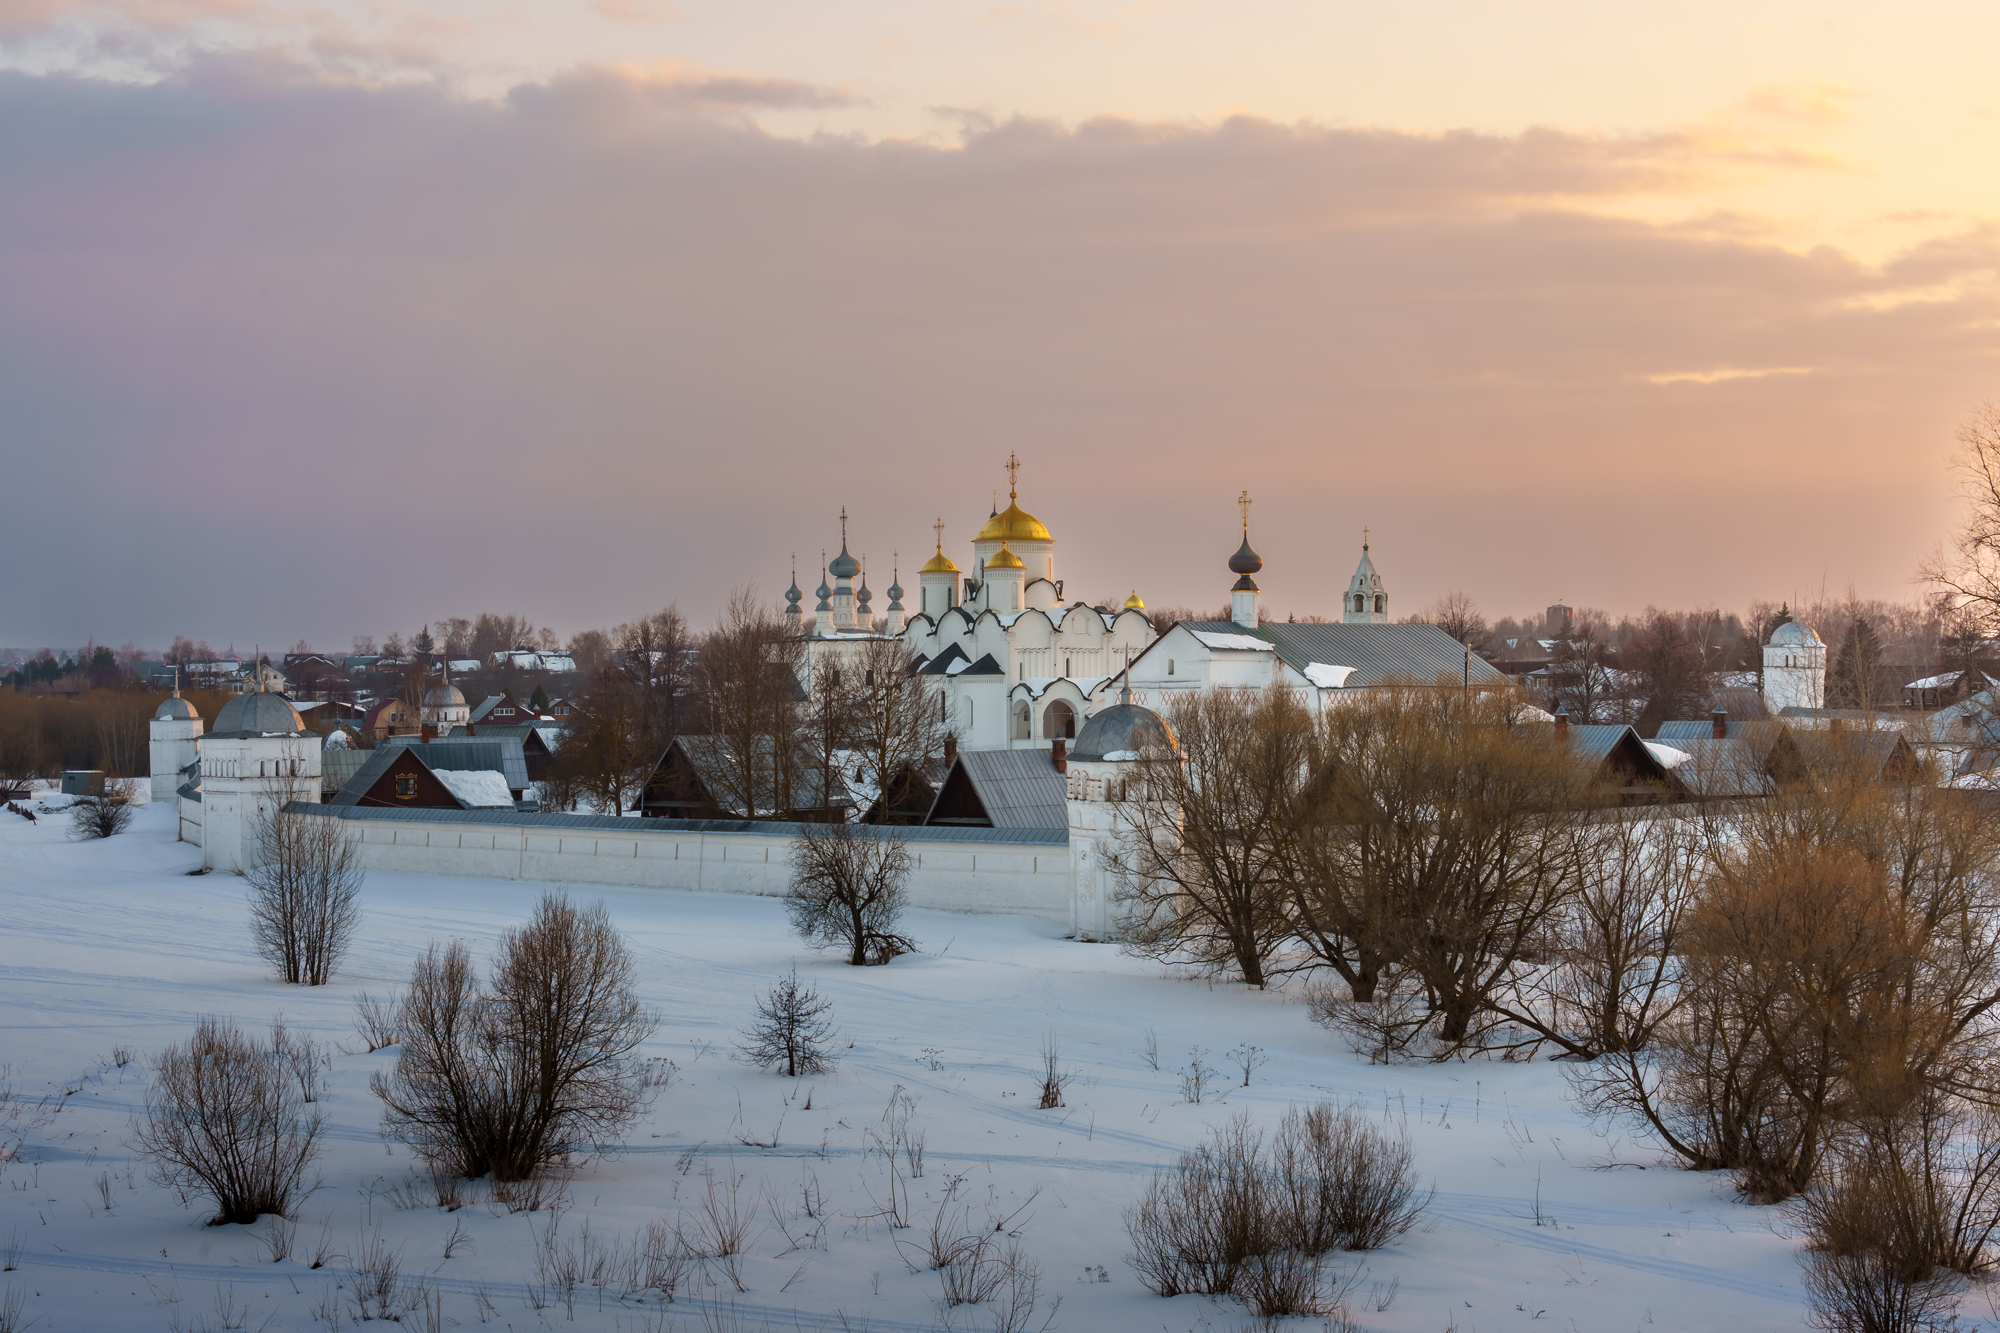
(1058, 755)
(950, 751)
(1562, 722)
(1718, 724)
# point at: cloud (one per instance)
(1724, 374)
(284, 358)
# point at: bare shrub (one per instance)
(1235, 1218)
(517, 1077)
(374, 1282)
(1054, 1077)
(226, 1119)
(848, 889)
(99, 816)
(304, 894)
(792, 1030)
(1903, 1215)
(378, 1022)
(1345, 1183)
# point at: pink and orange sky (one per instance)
(334, 317)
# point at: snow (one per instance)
(1328, 677)
(1121, 756)
(1666, 754)
(113, 944)
(477, 789)
(1241, 642)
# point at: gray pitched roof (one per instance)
(1019, 788)
(711, 761)
(336, 767)
(258, 713)
(1378, 653)
(1717, 768)
(481, 753)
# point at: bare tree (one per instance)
(848, 890)
(229, 1118)
(1202, 866)
(792, 1030)
(746, 683)
(304, 892)
(895, 725)
(1968, 569)
(518, 1076)
(1447, 842)
(1458, 615)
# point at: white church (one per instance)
(1021, 668)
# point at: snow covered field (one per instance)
(112, 945)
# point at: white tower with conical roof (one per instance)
(1366, 602)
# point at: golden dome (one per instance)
(1004, 558)
(1133, 603)
(939, 564)
(1013, 524)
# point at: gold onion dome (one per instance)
(1133, 603)
(939, 564)
(1013, 524)
(1004, 558)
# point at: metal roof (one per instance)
(1721, 767)
(1019, 788)
(1026, 837)
(257, 713)
(336, 767)
(472, 754)
(1598, 739)
(1378, 653)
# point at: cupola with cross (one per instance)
(1365, 603)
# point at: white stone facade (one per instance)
(1794, 668)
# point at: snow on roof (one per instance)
(1668, 756)
(953, 668)
(477, 789)
(1238, 642)
(1945, 681)
(464, 664)
(1327, 677)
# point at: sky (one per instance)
(329, 318)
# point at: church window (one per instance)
(1023, 720)
(406, 786)
(1068, 668)
(1381, 603)
(1360, 603)
(1059, 720)
(1170, 666)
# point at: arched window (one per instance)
(1170, 666)
(1023, 721)
(1381, 603)
(1360, 603)
(1069, 667)
(1059, 719)
(968, 715)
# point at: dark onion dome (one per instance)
(844, 566)
(895, 592)
(792, 594)
(862, 595)
(1246, 561)
(1124, 729)
(824, 591)
(257, 714)
(175, 709)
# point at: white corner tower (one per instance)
(175, 735)
(1243, 593)
(1366, 603)
(1110, 752)
(1794, 666)
(259, 757)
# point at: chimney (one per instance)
(1562, 722)
(1058, 756)
(950, 751)
(472, 728)
(1718, 723)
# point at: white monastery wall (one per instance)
(1030, 879)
